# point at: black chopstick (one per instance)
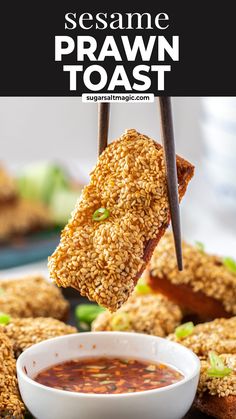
(171, 171)
(103, 125)
(170, 161)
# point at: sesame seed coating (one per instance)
(203, 272)
(24, 333)
(219, 336)
(150, 314)
(32, 296)
(103, 260)
(21, 217)
(11, 405)
(221, 387)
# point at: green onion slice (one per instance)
(184, 330)
(230, 264)
(4, 318)
(142, 287)
(120, 322)
(101, 214)
(200, 246)
(1, 291)
(87, 313)
(218, 368)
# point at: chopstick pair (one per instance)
(170, 162)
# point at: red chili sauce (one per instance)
(108, 376)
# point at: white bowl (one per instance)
(171, 402)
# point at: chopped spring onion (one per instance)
(184, 330)
(142, 287)
(1, 291)
(200, 246)
(87, 313)
(218, 368)
(120, 322)
(101, 214)
(230, 264)
(4, 318)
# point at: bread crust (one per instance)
(218, 407)
(207, 308)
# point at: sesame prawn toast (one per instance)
(22, 217)
(218, 335)
(103, 257)
(143, 313)
(216, 394)
(206, 286)
(11, 405)
(8, 190)
(24, 333)
(32, 296)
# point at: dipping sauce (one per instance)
(108, 376)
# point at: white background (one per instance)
(66, 128)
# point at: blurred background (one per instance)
(49, 146)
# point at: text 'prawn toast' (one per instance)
(118, 221)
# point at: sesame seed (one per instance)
(150, 313)
(202, 271)
(220, 336)
(48, 301)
